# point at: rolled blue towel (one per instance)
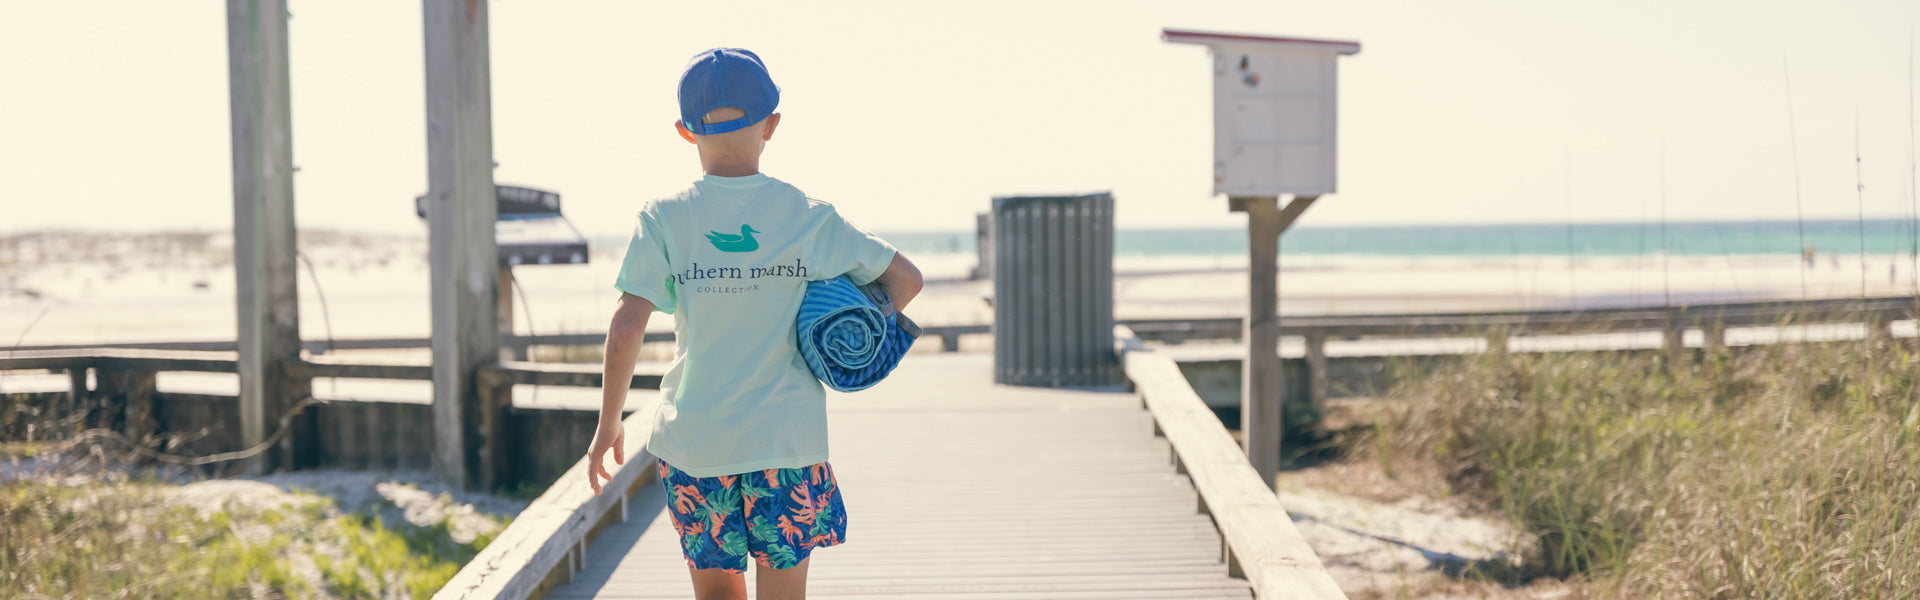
(848, 341)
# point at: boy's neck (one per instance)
(729, 164)
(732, 170)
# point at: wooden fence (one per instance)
(1712, 320)
(539, 443)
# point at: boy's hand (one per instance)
(603, 439)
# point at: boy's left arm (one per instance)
(901, 280)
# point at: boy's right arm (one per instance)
(624, 335)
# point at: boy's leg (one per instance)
(796, 512)
(781, 584)
(707, 519)
(720, 584)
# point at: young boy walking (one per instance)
(741, 430)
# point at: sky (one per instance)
(912, 116)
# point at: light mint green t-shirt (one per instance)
(730, 258)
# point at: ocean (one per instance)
(1846, 237)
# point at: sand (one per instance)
(94, 288)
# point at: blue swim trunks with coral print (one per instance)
(779, 516)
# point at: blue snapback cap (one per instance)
(724, 77)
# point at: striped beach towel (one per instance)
(848, 341)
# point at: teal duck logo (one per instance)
(735, 243)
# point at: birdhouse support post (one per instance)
(1262, 406)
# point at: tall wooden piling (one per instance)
(264, 247)
(461, 206)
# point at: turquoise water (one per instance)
(1880, 236)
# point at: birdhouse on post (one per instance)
(1273, 112)
(1273, 135)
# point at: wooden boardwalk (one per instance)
(960, 489)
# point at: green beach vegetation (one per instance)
(133, 540)
(1782, 471)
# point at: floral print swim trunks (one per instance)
(779, 516)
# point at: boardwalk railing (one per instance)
(1261, 543)
(534, 443)
(1712, 320)
(546, 544)
(949, 341)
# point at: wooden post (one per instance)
(1715, 334)
(1497, 343)
(496, 396)
(1879, 328)
(1262, 418)
(1317, 371)
(462, 257)
(1261, 422)
(512, 348)
(267, 294)
(77, 396)
(983, 245)
(129, 396)
(1673, 340)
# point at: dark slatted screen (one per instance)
(1053, 291)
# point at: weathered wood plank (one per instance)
(518, 562)
(559, 374)
(1260, 537)
(120, 359)
(1088, 481)
(1746, 314)
(360, 371)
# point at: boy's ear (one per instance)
(773, 121)
(684, 133)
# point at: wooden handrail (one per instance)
(558, 374)
(1890, 308)
(1261, 542)
(1745, 314)
(124, 359)
(948, 333)
(526, 558)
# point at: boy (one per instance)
(741, 431)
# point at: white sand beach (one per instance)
(81, 288)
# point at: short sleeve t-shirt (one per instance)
(730, 258)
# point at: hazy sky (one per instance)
(912, 115)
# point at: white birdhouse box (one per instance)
(1273, 112)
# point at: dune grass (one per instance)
(127, 540)
(1785, 471)
(124, 542)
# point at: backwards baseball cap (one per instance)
(724, 77)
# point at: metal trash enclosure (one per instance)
(1053, 291)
